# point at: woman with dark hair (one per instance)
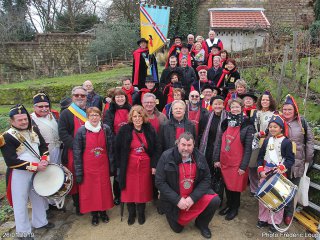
(234, 156)
(93, 162)
(174, 80)
(266, 107)
(116, 117)
(229, 76)
(137, 151)
(224, 56)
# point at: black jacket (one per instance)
(167, 134)
(246, 135)
(167, 180)
(79, 145)
(110, 113)
(122, 148)
(214, 76)
(164, 80)
(189, 76)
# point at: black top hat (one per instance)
(142, 40)
(248, 94)
(184, 45)
(150, 79)
(209, 86)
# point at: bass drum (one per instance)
(54, 183)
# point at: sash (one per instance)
(210, 44)
(272, 152)
(78, 112)
(54, 128)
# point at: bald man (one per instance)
(93, 99)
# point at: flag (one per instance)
(154, 25)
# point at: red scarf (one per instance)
(247, 110)
(205, 47)
(210, 59)
(188, 58)
(143, 91)
(173, 47)
(136, 57)
(129, 93)
(224, 72)
(170, 92)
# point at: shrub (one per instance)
(315, 31)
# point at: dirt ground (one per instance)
(156, 227)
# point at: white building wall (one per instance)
(237, 40)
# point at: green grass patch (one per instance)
(2, 186)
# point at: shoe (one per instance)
(272, 229)
(141, 218)
(205, 231)
(224, 211)
(78, 213)
(287, 220)
(262, 224)
(116, 201)
(159, 210)
(48, 226)
(132, 213)
(131, 219)
(104, 217)
(95, 220)
(231, 214)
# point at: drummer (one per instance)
(275, 154)
(22, 158)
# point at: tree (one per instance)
(317, 10)
(115, 38)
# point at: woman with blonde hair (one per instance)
(136, 152)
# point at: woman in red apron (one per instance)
(116, 117)
(137, 151)
(91, 149)
(234, 156)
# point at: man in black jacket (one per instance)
(183, 179)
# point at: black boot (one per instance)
(132, 213)
(104, 217)
(95, 218)
(141, 207)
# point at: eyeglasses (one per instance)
(203, 72)
(43, 106)
(80, 95)
(149, 102)
(94, 115)
(194, 96)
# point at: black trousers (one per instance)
(202, 220)
(154, 189)
(116, 188)
(233, 199)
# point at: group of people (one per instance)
(160, 141)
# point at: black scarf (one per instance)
(235, 120)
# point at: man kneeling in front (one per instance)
(183, 179)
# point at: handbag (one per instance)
(217, 183)
(302, 194)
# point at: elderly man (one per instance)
(215, 72)
(190, 39)
(208, 92)
(47, 122)
(178, 124)
(24, 151)
(197, 114)
(142, 61)
(185, 54)
(183, 179)
(212, 40)
(70, 121)
(93, 99)
(203, 78)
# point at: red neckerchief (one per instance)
(136, 57)
(188, 58)
(247, 110)
(210, 59)
(143, 92)
(129, 93)
(224, 72)
(173, 47)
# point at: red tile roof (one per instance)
(238, 18)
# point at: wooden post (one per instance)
(125, 55)
(79, 61)
(111, 59)
(97, 61)
(283, 70)
(53, 68)
(308, 76)
(294, 56)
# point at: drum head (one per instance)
(48, 182)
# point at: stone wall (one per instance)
(291, 13)
(49, 54)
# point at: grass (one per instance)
(77, 79)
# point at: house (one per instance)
(239, 28)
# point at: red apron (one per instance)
(155, 123)
(138, 177)
(77, 124)
(179, 131)
(196, 209)
(120, 119)
(231, 160)
(194, 117)
(95, 193)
